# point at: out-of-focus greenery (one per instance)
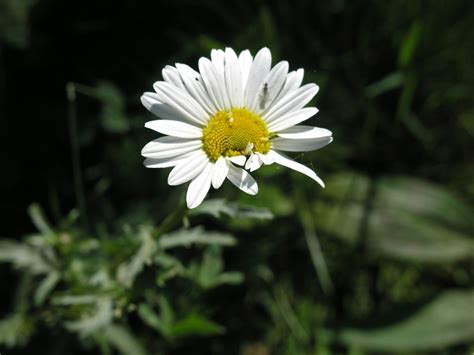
(381, 261)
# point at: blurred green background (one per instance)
(99, 257)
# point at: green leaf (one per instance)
(128, 271)
(123, 340)
(15, 330)
(149, 316)
(409, 44)
(188, 237)
(39, 220)
(45, 287)
(24, 257)
(446, 321)
(219, 207)
(389, 82)
(195, 324)
(14, 21)
(112, 117)
(92, 319)
(400, 217)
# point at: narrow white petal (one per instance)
(170, 75)
(304, 132)
(242, 180)
(293, 81)
(291, 102)
(289, 163)
(253, 163)
(160, 109)
(266, 159)
(270, 88)
(165, 147)
(213, 82)
(245, 60)
(218, 64)
(181, 101)
(239, 160)
(199, 187)
(218, 59)
(233, 78)
(292, 118)
(219, 172)
(193, 84)
(259, 70)
(188, 168)
(167, 162)
(300, 145)
(174, 128)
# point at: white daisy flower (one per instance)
(236, 113)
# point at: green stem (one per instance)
(76, 154)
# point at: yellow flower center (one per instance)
(235, 132)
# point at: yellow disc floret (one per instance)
(235, 132)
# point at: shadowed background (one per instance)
(381, 261)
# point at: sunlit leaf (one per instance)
(446, 321)
(188, 237)
(123, 340)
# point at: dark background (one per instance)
(396, 88)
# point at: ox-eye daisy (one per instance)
(236, 113)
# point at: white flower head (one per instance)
(236, 114)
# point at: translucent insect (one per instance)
(263, 96)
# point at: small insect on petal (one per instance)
(263, 96)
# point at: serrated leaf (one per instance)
(23, 256)
(98, 316)
(446, 321)
(128, 271)
(188, 237)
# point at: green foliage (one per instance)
(445, 321)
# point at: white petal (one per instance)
(293, 81)
(239, 160)
(242, 180)
(193, 84)
(266, 159)
(166, 147)
(271, 87)
(170, 75)
(292, 118)
(219, 172)
(174, 128)
(199, 187)
(181, 101)
(291, 102)
(218, 59)
(233, 78)
(213, 81)
(259, 70)
(289, 163)
(218, 63)
(304, 132)
(300, 145)
(253, 163)
(167, 162)
(245, 60)
(187, 169)
(160, 109)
